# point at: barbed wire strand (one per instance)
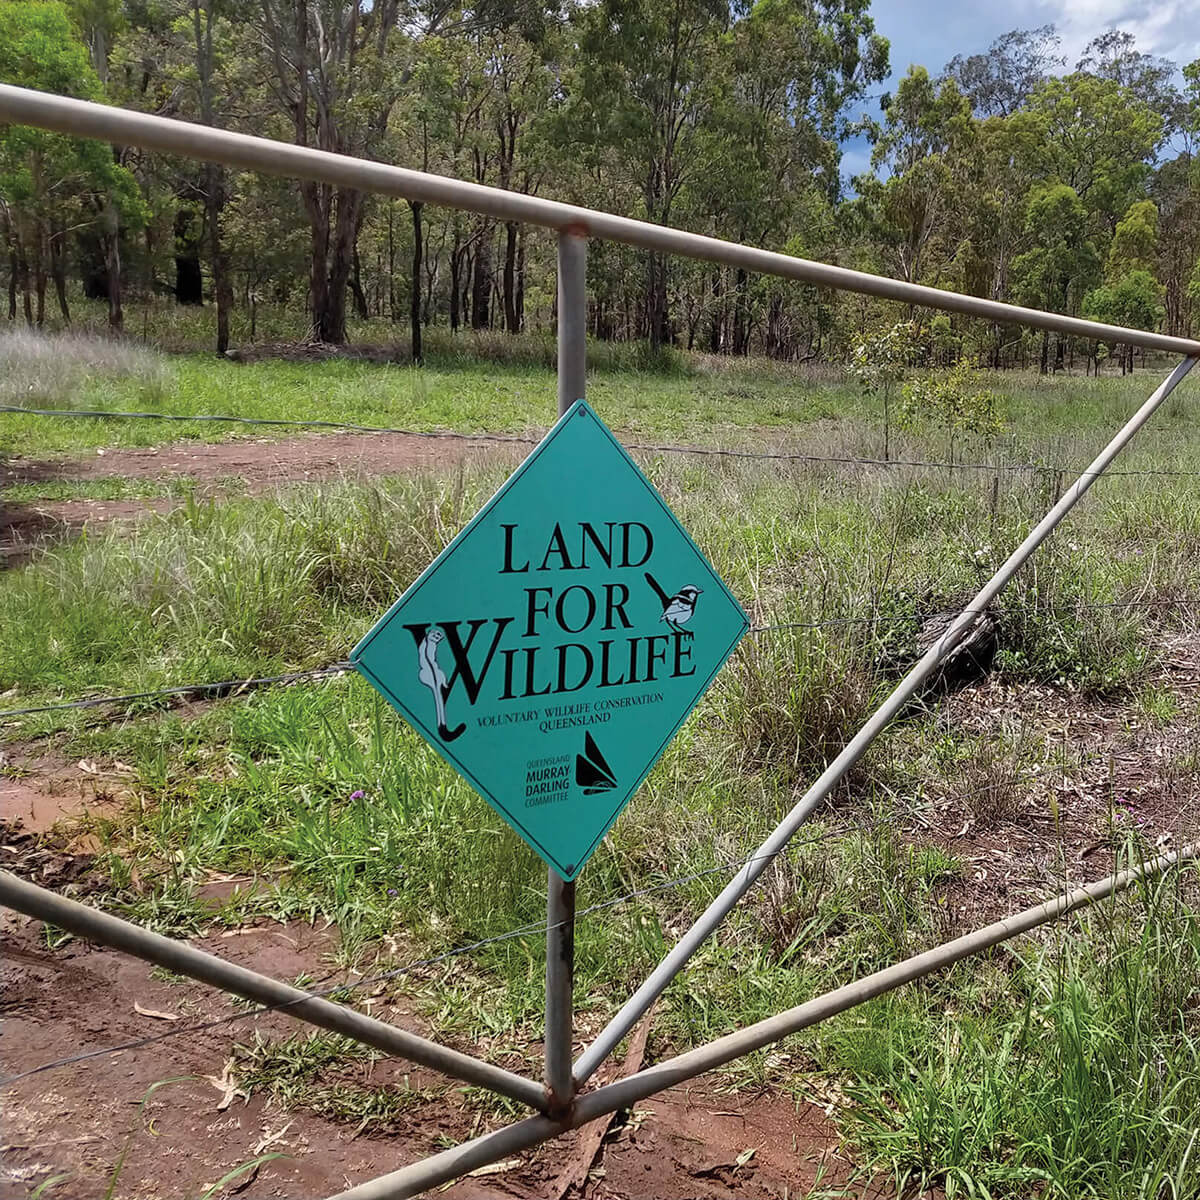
(651, 448)
(226, 687)
(235, 687)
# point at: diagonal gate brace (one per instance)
(97, 926)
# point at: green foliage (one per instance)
(926, 136)
(884, 356)
(1062, 259)
(50, 183)
(1193, 287)
(1134, 300)
(1102, 136)
(881, 360)
(1135, 242)
(954, 400)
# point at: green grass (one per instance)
(1062, 1067)
(1073, 1073)
(494, 383)
(218, 590)
(110, 488)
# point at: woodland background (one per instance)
(1009, 173)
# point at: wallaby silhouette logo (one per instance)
(592, 772)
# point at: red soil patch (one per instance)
(78, 1118)
(241, 466)
(39, 788)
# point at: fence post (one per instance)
(572, 318)
(560, 895)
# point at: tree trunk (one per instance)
(520, 278)
(26, 298)
(112, 268)
(189, 285)
(222, 283)
(391, 249)
(455, 272)
(335, 216)
(658, 318)
(39, 274)
(714, 332)
(418, 259)
(58, 271)
(511, 320)
(741, 318)
(13, 271)
(1045, 369)
(356, 288)
(481, 292)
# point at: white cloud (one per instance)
(1167, 27)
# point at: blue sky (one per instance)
(930, 32)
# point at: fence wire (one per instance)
(237, 687)
(645, 447)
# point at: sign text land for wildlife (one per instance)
(554, 648)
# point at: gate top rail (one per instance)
(83, 118)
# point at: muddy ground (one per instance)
(239, 467)
(79, 1120)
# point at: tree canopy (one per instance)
(1006, 173)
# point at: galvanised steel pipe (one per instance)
(82, 118)
(108, 930)
(904, 691)
(560, 985)
(451, 1164)
(572, 318)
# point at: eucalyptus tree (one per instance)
(1062, 262)
(643, 90)
(52, 185)
(919, 157)
(1102, 139)
(1000, 81)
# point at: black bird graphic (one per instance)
(677, 609)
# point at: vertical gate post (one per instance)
(572, 318)
(560, 980)
(560, 895)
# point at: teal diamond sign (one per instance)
(553, 649)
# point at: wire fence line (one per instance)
(235, 687)
(228, 687)
(1045, 469)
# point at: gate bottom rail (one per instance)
(622, 1093)
(97, 926)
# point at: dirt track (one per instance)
(243, 466)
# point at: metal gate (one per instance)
(560, 1101)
